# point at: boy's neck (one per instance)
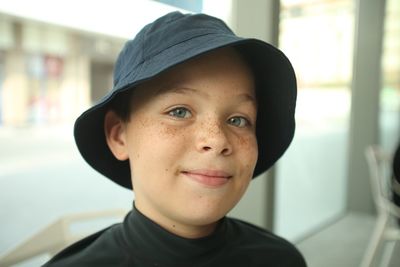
(173, 226)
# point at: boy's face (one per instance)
(191, 142)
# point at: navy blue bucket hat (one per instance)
(174, 39)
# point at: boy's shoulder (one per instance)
(89, 251)
(260, 245)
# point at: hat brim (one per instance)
(275, 89)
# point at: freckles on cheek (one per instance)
(165, 140)
(171, 133)
(248, 145)
(167, 130)
(156, 135)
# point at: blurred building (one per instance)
(48, 73)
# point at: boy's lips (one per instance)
(212, 178)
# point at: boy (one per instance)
(195, 113)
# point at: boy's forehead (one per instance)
(179, 75)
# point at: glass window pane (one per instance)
(317, 36)
(389, 115)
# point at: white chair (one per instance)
(55, 237)
(386, 228)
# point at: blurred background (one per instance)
(56, 59)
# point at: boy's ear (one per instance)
(114, 129)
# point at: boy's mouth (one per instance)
(210, 178)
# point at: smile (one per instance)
(210, 178)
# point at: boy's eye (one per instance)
(238, 121)
(180, 113)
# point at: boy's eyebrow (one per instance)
(248, 97)
(179, 90)
(183, 90)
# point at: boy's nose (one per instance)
(213, 138)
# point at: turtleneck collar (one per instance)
(152, 243)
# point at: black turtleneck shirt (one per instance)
(138, 241)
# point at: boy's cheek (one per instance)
(172, 131)
(248, 142)
(249, 146)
